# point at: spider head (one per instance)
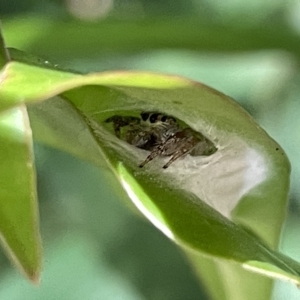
(157, 119)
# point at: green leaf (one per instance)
(18, 200)
(58, 125)
(29, 83)
(43, 36)
(198, 202)
(4, 55)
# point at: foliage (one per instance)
(238, 229)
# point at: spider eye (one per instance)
(145, 116)
(164, 119)
(154, 118)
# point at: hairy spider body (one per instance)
(161, 135)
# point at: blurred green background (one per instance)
(95, 247)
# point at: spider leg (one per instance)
(156, 151)
(176, 145)
(187, 145)
(176, 155)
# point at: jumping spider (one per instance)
(161, 135)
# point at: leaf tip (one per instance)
(35, 277)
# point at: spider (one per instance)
(161, 135)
